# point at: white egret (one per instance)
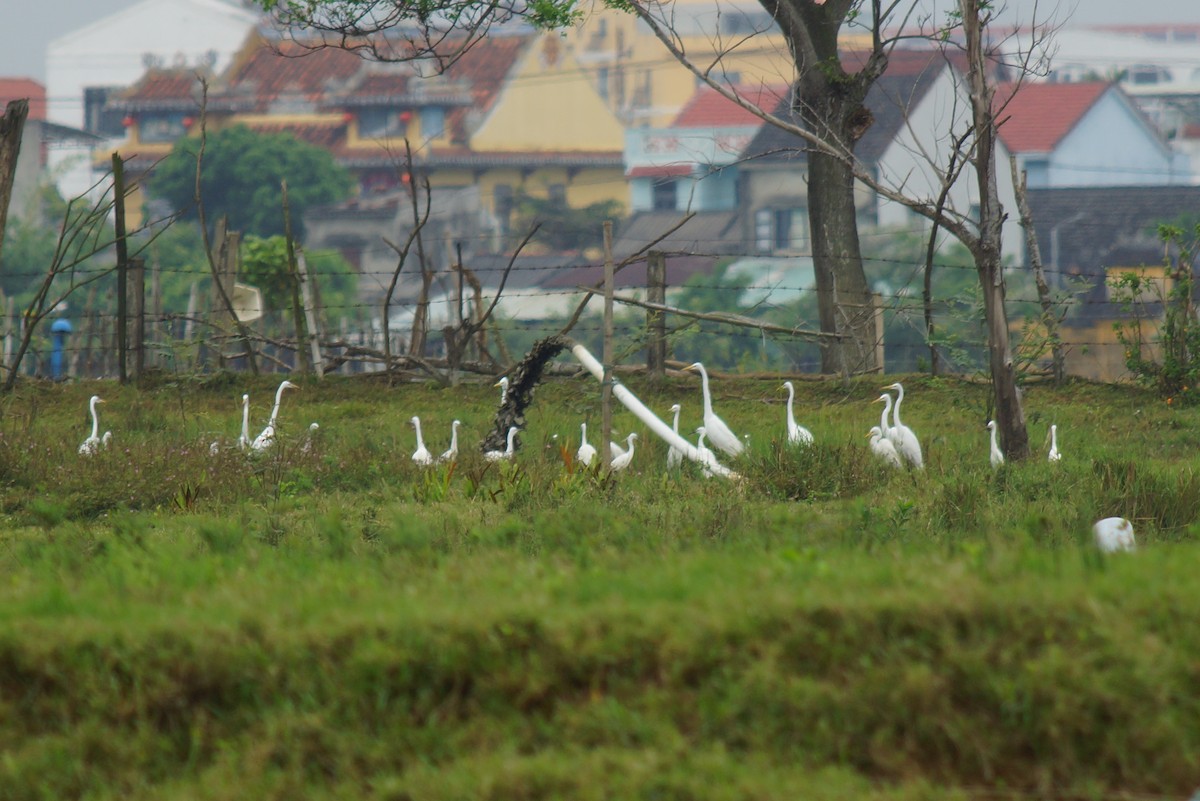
(92, 443)
(622, 461)
(905, 440)
(884, 428)
(267, 438)
(586, 452)
(503, 384)
(796, 434)
(507, 453)
(882, 447)
(1054, 455)
(421, 455)
(614, 449)
(244, 438)
(706, 455)
(310, 439)
(451, 453)
(718, 433)
(674, 455)
(1114, 534)
(997, 455)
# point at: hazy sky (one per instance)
(27, 25)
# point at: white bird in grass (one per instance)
(623, 460)
(421, 455)
(674, 455)
(244, 437)
(884, 428)
(267, 438)
(997, 455)
(507, 453)
(586, 452)
(614, 449)
(92, 443)
(1114, 534)
(902, 436)
(451, 453)
(503, 384)
(882, 447)
(310, 439)
(706, 456)
(796, 434)
(718, 433)
(1054, 455)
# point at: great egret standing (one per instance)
(796, 434)
(586, 452)
(1114, 534)
(244, 437)
(674, 455)
(451, 453)
(884, 428)
(882, 447)
(92, 443)
(421, 455)
(507, 453)
(623, 460)
(1054, 455)
(997, 455)
(902, 436)
(718, 432)
(267, 438)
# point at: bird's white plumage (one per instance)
(882, 447)
(451, 453)
(884, 426)
(674, 455)
(718, 432)
(626, 458)
(267, 437)
(421, 456)
(1113, 534)
(707, 457)
(796, 433)
(92, 444)
(507, 453)
(996, 455)
(904, 438)
(244, 437)
(586, 452)
(503, 384)
(1054, 455)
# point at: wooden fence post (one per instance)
(879, 343)
(310, 313)
(137, 276)
(656, 321)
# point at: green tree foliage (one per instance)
(242, 175)
(29, 243)
(565, 228)
(265, 265)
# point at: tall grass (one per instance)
(340, 623)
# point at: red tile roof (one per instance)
(19, 88)
(162, 88)
(267, 70)
(708, 108)
(1034, 117)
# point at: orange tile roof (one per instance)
(267, 70)
(708, 108)
(162, 88)
(19, 88)
(1034, 117)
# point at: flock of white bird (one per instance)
(893, 442)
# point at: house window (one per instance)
(433, 123)
(664, 196)
(380, 123)
(160, 127)
(97, 118)
(502, 204)
(780, 230)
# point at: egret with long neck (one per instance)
(586, 452)
(92, 443)
(997, 455)
(507, 453)
(796, 433)
(905, 440)
(421, 455)
(719, 433)
(267, 438)
(674, 455)
(451, 453)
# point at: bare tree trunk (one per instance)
(12, 126)
(1010, 416)
(1051, 318)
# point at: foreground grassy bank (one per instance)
(339, 624)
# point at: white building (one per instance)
(83, 65)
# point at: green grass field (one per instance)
(343, 624)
